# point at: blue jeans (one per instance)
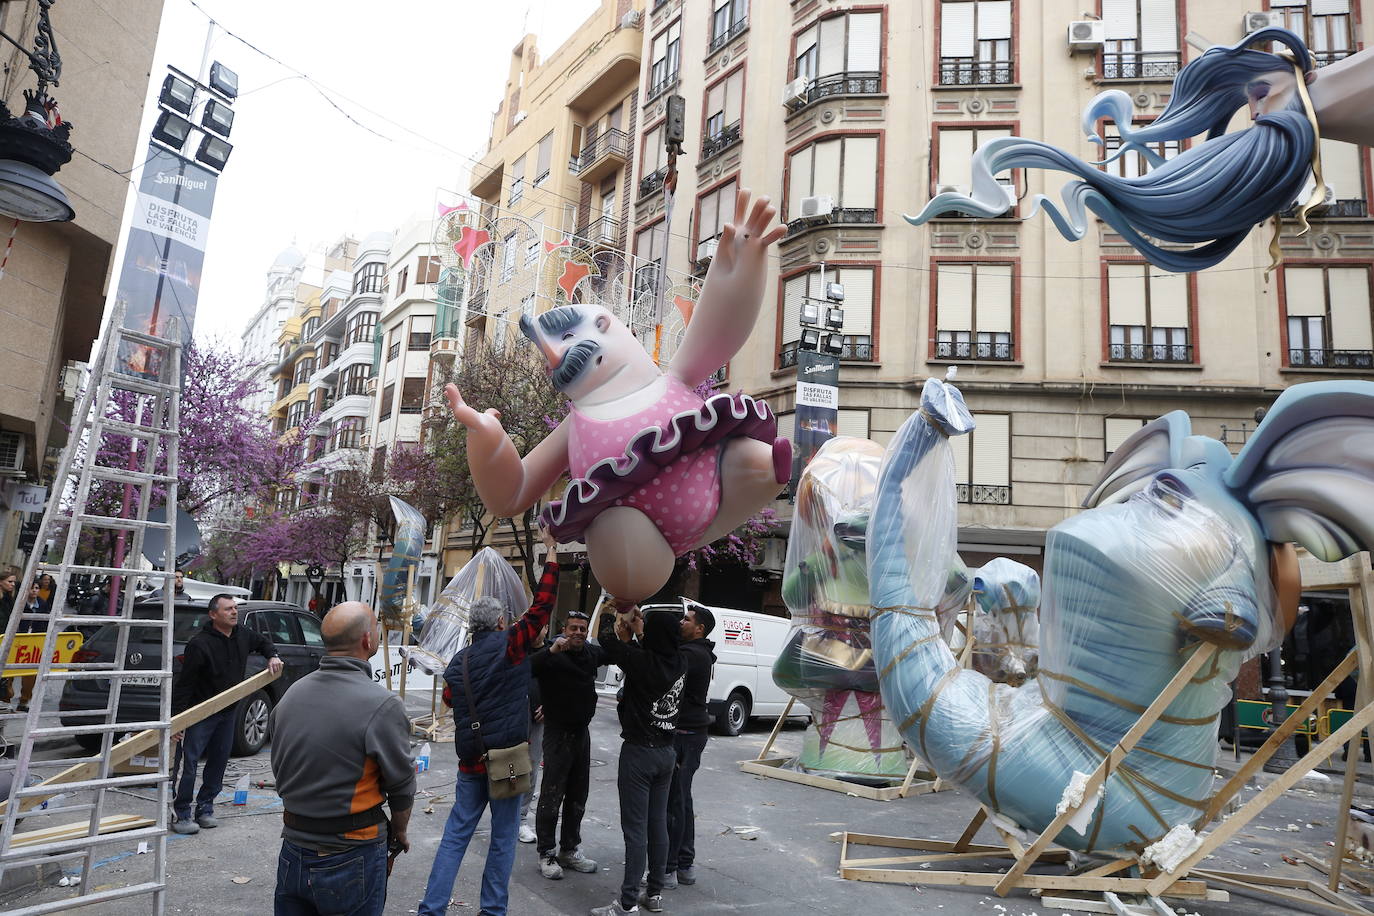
(351, 883)
(209, 740)
(470, 800)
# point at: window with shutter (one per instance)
(544, 159)
(1325, 25)
(841, 55)
(975, 42)
(716, 208)
(844, 169)
(667, 53)
(852, 423)
(982, 461)
(787, 426)
(1149, 315)
(648, 252)
(517, 181)
(1116, 430)
(954, 165)
(1343, 175)
(728, 19)
(973, 311)
(1329, 321)
(1142, 39)
(857, 332)
(653, 158)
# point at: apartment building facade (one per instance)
(850, 114)
(52, 294)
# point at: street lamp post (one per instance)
(1284, 757)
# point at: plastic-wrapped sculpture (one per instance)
(1177, 546)
(407, 543)
(1006, 623)
(486, 575)
(656, 470)
(827, 662)
(1214, 193)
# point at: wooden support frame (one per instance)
(776, 768)
(137, 744)
(112, 823)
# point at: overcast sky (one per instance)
(301, 171)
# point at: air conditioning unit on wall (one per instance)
(822, 205)
(706, 249)
(794, 93)
(1087, 34)
(1253, 22)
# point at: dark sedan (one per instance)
(295, 633)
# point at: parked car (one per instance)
(747, 644)
(295, 632)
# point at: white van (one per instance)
(747, 644)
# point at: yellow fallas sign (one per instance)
(27, 648)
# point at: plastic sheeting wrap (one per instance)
(827, 662)
(1006, 623)
(1127, 587)
(488, 574)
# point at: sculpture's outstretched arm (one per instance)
(733, 292)
(507, 485)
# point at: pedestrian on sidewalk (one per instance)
(9, 594)
(215, 659)
(647, 651)
(689, 740)
(566, 675)
(497, 665)
(32, 604)
(340, 749)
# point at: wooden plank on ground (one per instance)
(114, 823)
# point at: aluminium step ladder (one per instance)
(123, 437)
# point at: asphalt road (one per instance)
(789, 865)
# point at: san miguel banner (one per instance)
(160, 277)
(818, 403)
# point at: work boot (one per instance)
(207, 821)
(654, 903)
(185, 826)
(687, 875)
(549, 868)
(613, 909)
(670, 881)
(576, 861)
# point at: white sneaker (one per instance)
(549, 868)
(527, 834)
(613, 909)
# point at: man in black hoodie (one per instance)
(689, 740)
(647, 651)
(215, 659)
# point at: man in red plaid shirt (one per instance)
(497, 661)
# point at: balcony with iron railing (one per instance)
(667, 83)
(652, 182)
(1138, 65)
(1150, 353)
(602, 232)
(720, 141)
(603, 155)
(982, 495)
(842, 84)
(965, 71)
(1341, 208)
(727, 35)
(1313, 358)
(857, 348)
(840, 216)
(997, 351)
(517, 191)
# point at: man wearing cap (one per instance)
(566, 672)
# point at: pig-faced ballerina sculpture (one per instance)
(656, 471)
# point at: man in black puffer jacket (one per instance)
(688, 742)
(647, 651)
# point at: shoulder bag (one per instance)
(508, 768)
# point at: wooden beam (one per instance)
(979, 817)
(777, 727)
(773, 768)
(1274, 741)
(137, 744)
(114, 823)
(1199, 656)
(1228, 828)
(1177, 887)
(1359, 884)
(1256, 884)
(1361, 612)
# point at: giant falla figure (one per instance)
(656, 470)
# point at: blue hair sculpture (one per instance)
(1175, 549)
(1210, 195)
